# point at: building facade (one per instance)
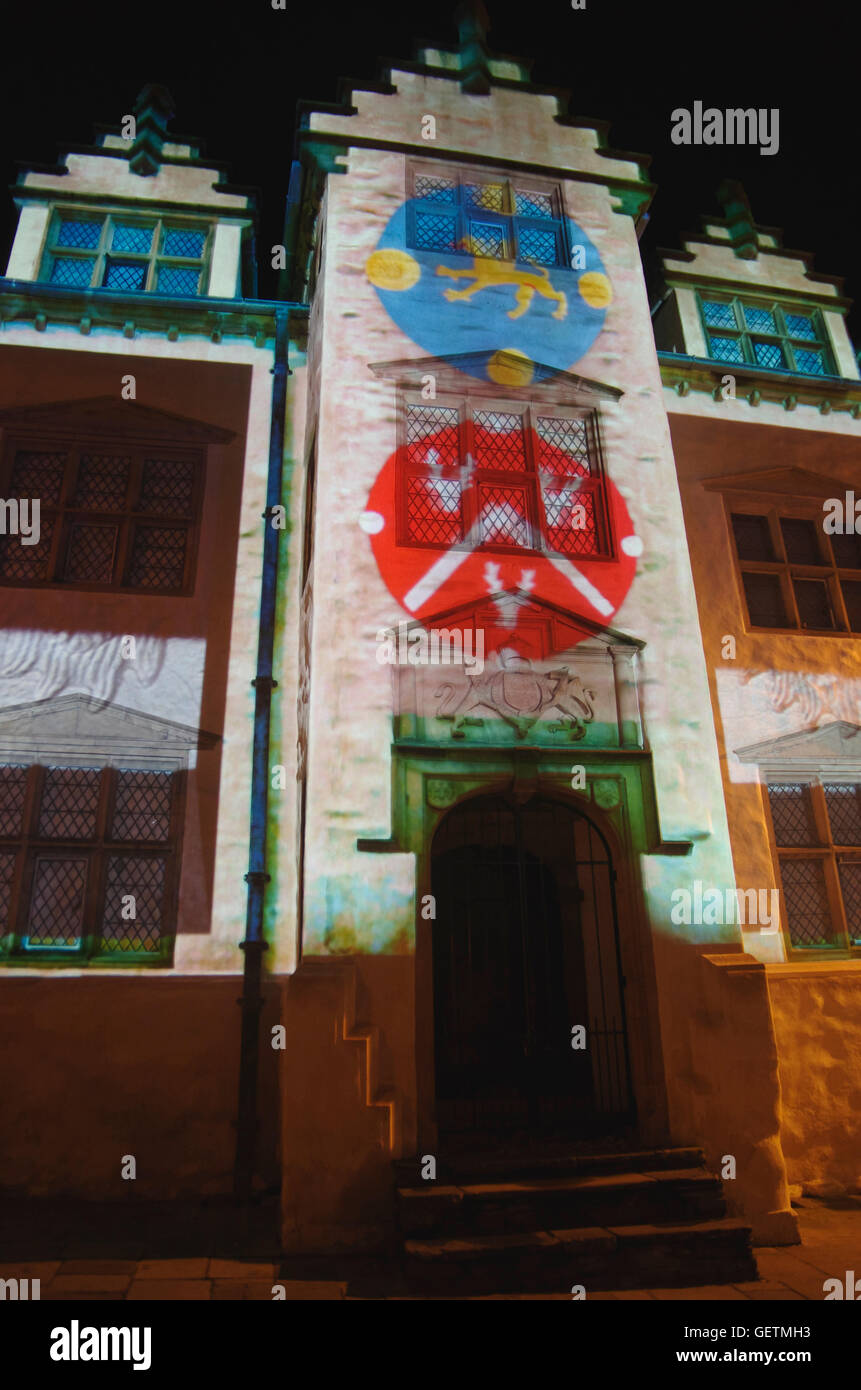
(508, 633)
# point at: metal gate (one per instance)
(526, 950)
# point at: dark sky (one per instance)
(236, 72)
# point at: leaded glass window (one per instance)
(130, 255)
(453, 210)
(766, 335)
(817, 832)
(88, 862)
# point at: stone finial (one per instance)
(153, 109)
(741, 226)
(473, 23)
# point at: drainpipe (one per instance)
(254, 945)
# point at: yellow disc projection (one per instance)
(392, 270)
(595, 289)
(510, 368)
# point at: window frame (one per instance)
(826, 849)
(479, 475)
(829, 570)
(126, 519)
(28, 845)
(508, 219)
(102, 254)
(783, 338)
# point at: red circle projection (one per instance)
(519, 514)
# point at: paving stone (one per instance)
(194, 1290)
(243, 1291)
(89, 1283)
(99, 1267)
(100, 1297)
(30, 1269)
(706, 1293)
(780, 1296)
(300, 1290)
(173, 1269)
(240, 1269)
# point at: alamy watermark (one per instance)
(713, 907)
(412, 646)
(735, 126)
(20, 517)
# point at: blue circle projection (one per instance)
(512, 322)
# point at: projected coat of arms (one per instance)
(494, 270)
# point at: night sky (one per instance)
(237, 71)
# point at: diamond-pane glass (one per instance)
(718, 315)
(183, 243)
(102, 482)
(142, 806)
(434, 510)
(158, 557)
(843, 800)
(441, 190)
(167, 488)
(486, 239)
(792, 813)
(769, 355)
(435, 233)
(432, 436)
(726, 349)
(812, 363)
(850, 883)
(489, 196)
(70, 801)
(499, 440)
(129, 238)
(143, 879)
(800, 326)
(38, 475)
(762, 320)
(83, 235)
(571, 525)
(806, 902)
(125, 275)
(57, 903)
(502, 511)
(27, 562)
(563, 447)
(66, 271)
(533, 204)
(7, 874)
(90, 556)
(536, 244)
(13, 784)
(174, 279)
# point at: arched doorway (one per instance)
(525, 949)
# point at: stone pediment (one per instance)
(82, 729)
(783, 482)
(548, 386)
(106, 415)
(832, 747)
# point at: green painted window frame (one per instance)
(783, 338)
(102, 254)
(28, 844)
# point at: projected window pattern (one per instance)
(497, 218)
(795, 576)
(130, 255)
(512, 476)
(766, 335)
(817, 832)
(121, 518)
(88, 863)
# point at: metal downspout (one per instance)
(251, 1002)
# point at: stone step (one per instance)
(485, 1166)
(598, 1258)
(543, 1202)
